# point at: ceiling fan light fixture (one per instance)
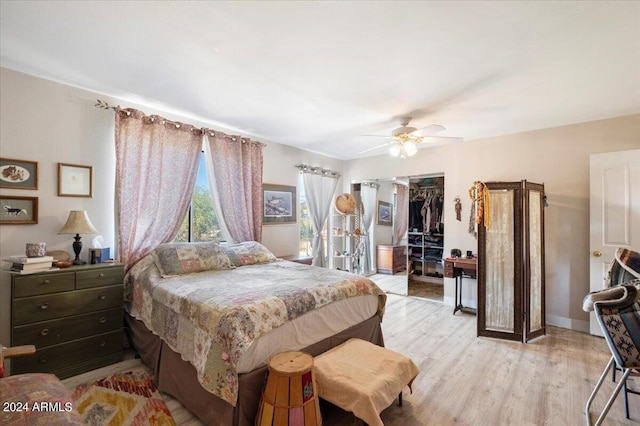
(395, 149)
(410, 148)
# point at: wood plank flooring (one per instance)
(466, 380)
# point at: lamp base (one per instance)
(77, 248)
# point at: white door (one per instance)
(615, 212)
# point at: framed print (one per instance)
(18, 174)
(18, 210)
(279, 204)
(385, 214)
(75, 180)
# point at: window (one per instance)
(304, 219)
(201, 222)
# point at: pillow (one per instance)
(184, 258)
(248, 253)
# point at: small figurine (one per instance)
(458, 209)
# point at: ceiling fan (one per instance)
(405, 138)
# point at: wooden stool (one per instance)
(363, 378)
(290, 396)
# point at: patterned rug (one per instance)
(128, 398)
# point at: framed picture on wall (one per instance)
(18, 174)
(75, 180)
(18, 210)
(385, 214)
(279, 204)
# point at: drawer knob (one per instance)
(102, 297)
(103, 320)
(103, 343)
(44, 306)
(43, 359)
(44, 331)
(46, 282)
(101, 275)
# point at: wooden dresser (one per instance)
(73, 316)
(391, 259)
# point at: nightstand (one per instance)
(73, 316)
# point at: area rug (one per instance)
(128, 398)
(426, 290)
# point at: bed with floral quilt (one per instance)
(224, 310)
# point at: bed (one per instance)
(207, 318)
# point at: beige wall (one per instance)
(557, 157)
(279, 161)
(49, 123)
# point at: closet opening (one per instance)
(425, 237)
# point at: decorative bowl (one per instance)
(63, 264)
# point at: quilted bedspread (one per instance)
(212, 317)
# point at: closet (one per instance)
(511, 296)
(425, 236)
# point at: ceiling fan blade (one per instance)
(374, 148)
(436, 139)
(433, 128)
(377, 136)
(429, 130)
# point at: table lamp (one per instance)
(78, 223)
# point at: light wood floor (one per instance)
(466, 380)
(396, 283)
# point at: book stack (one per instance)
(30, 265)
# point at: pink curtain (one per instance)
(234, 166)
(156, 169)
(401, 221)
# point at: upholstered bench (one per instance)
(363, 378)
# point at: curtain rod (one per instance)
(317, 171)
(369, 183)
(127, 111)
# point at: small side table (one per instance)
(298, 258)
(458, 268)
(290, 394)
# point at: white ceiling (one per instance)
(317, 75)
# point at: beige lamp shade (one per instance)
(78, 222)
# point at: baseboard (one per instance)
(553, 320)
(570, 323)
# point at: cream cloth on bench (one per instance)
(363, 378)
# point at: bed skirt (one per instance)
(178, 378)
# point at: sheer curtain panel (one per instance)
(369, 195)
(156, 169)
(234, 166)
(401, 221)
(319, 190)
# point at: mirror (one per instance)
(385, 242)
(404, 254)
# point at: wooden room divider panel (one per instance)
(511, 302)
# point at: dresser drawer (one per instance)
(450, 271)
(54, 332)
(56, 357)
(47, 307)
(99, 277)
(32, 285)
